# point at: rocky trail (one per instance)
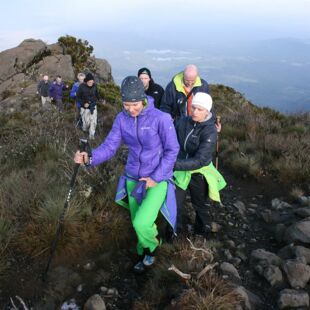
(258, 240)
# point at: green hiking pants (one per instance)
(143, 216)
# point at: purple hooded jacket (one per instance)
(56, 90)
(151, 139)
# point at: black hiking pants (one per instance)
(198, 190)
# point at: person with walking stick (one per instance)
(145, 187)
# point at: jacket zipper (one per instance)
(187, 137)
(137, 132)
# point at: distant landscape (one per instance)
(273, 73)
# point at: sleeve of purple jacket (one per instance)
(171, 147)
(110, 145)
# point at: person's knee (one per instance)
(139, 226)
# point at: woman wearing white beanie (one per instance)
(194, 170)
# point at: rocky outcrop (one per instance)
(17, 60)
(57, 65)
(101, 69)
(299, 232)
(95, 302)
(293, 299)
(22, 67)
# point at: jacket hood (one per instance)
(178, 82)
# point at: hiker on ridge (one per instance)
(56, 92)
(151, 88)
(194, 170)
(179, 93)
(80, 77)
(88, 96)
(43, 89)
(144, 188)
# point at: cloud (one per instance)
(239, 79)
(162, 58)
(176, 58)
(166, 51)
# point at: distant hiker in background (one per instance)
(87, 95)
(144, 188)
(179, 93)
(56, 92)
(43, 89)
(151, 88)
(80, 77)
(194, 170)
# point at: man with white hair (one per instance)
(43, 89)
(178, 96)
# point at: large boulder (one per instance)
(298, 232)
(18, 59)
(293, 299)
(301, 251)
(55, 49)
(261, 255)
(101, 69)
(13, 85)
(56, 65)
(297, 272)
(95, 302)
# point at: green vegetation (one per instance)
(79, 50)
(260, 142)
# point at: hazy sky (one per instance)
(154, 20)
(231, 41)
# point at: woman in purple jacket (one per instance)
(153, 149)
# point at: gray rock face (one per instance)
(215, 227)
(303, 212)
(13, 85)
(55, 49)
(239, 205)
(250, 301)
(57, 65)
(263, 255)
(287, 252)
(229, 269)
(241, 291)
(101, 69)
(301, 251)
(297, 272)
(95, 302)
(273, 275)
(16, 60)
(304, 200)
(277, 204)
(299, 231)
(293, 299)
(21, 67)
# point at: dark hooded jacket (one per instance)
(197, 143)
(155, 91)
(86, 94)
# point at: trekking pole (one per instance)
(218, 122)
(84, 146)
